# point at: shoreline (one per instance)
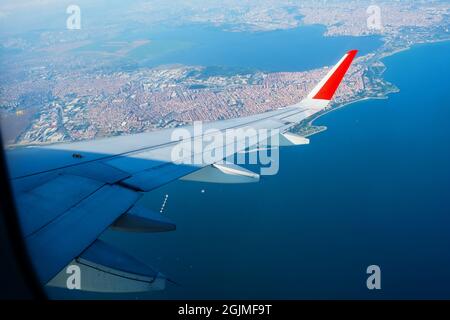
(310, 123)
(380, 57)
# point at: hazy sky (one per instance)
(25, 15)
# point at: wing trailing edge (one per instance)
(292, 139)
(103, 268)
(226, 172)
(141, 219)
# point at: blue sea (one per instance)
(296, 49)
(372, 189)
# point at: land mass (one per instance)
(61, 96)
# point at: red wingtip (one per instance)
(329, 88)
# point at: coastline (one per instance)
(308, 124)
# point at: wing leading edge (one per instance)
(68, 194)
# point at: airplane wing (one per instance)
(67, 194)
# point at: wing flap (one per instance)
(141, 219)
(223, 173)
(142, 160)
(51, 199)
(104, 268)
(291, 139)
(55, 245)
(99, 171)
(150, 179)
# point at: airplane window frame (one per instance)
(16, 268)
